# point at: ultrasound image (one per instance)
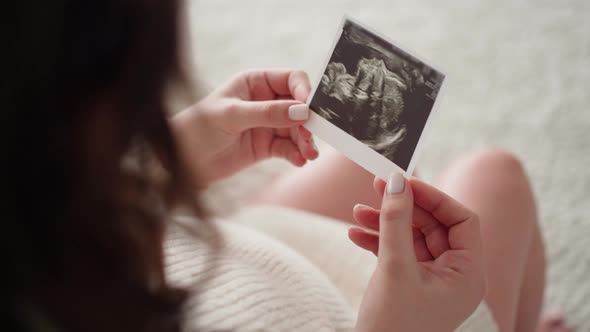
(377, 93)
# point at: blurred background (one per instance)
(518, 78)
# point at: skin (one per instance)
(307, 188)
(477, 181)
(420, 274)
(246, 120)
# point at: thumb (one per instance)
(396, 244)
(270, 114)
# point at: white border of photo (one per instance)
(354, 149)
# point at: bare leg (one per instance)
(491, 183)
(494, 185)
(531, 291)
(330, 187)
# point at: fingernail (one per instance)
(299, 112)
(396, 182)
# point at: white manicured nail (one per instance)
(298, 112)
(396, 182)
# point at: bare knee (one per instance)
(493, 181)
(493, 171)
(498, 161)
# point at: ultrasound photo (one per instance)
(377, 93)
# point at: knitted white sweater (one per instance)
(250, 282)
(244, 280)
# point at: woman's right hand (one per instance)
(430, 271)
(256, 115)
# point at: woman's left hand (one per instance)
(250, 118)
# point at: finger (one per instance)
(434, 233)
(364, 240)
(370, 241)
(270, 83)
(366, 216)
(296, 159)
(304, 132)
(395, 223)
(369, 217)
(312, 148)
(258, 86)
(444, 208)
(284, 132)
(299, 85)
(421, 250)
(307, 147)
(462, 224)
(286, 149)
(269, 114)
(379, 186)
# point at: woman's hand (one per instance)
(256, 115)
(430, 271)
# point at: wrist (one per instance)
(187, 132)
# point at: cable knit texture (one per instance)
(243, 279)
(252, 283)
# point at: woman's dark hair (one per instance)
(83, 98)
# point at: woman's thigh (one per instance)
(329, 186)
